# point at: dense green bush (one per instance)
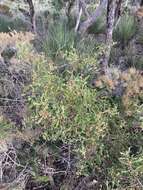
(89, 120)
(70, 112)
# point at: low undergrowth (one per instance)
(79, 126)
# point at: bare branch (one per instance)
(78, 20)
(93, 17)
(83, 5)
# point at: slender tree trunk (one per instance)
(111, 9)
(79, 13)
(32, 14)
(81, 8)
(141, 3)
(118, 9)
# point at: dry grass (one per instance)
(13, 38)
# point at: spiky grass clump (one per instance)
(59, 39)
(99, 26)
(125, 29)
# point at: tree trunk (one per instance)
(69, 7)
(32, 14)
(118, 9)
(141, 3)
(111, 9)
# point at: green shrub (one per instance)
(59, 39)
(88, 120)
(139, 63)
(132, 57)
(87, 46)
(5, 128)
(130, 172)
(99, 26)
(71, 113)
(72, 128)
(125, 29)
(134, 60)
(7, 24)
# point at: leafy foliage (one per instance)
(73, 113)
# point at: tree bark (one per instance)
(69, 7)
(93, 17)
(32, 14)
(83, 5)
(111, 9)
(118, 9)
